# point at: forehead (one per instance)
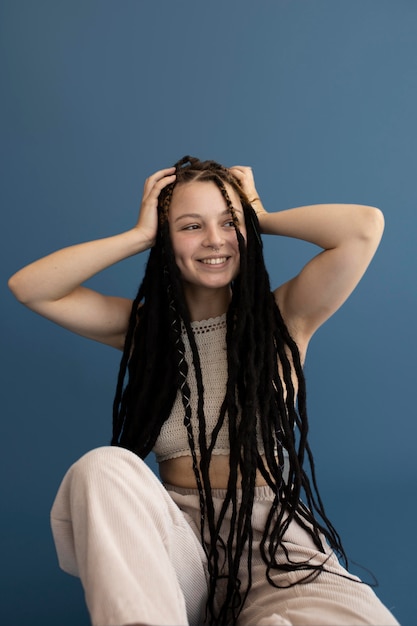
(202, 196)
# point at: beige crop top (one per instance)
(210, 336)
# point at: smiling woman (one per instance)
(211, 379)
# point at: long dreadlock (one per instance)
(260, 396)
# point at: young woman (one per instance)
(211, 380)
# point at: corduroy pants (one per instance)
(136, 547)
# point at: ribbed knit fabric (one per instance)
(138, 557)
(136, 547)
(334, 598)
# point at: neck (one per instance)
(206, 303)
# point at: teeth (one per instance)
(214, 261)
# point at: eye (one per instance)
(229, 224)
(191, 227)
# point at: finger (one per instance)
(159, 177)
(153, 194)
(241, 169)
(161, 173)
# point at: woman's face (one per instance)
(203, 236)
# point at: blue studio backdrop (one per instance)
(319, 97)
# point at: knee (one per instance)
(109, 466)
(101, 458)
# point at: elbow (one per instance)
(372, 224)
(16, 288)
(13, 285)
(378, 219)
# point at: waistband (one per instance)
(263, 492)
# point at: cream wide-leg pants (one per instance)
(136, 547)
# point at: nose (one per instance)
(214, 238)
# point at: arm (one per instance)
(52, 286)
(348, 235)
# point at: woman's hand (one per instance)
(245, 177)
(148, 215)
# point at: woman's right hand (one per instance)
(148, 214)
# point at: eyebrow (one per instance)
(198, 215)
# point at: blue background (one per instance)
(320, 97)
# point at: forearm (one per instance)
(58, 274)
(326, 225)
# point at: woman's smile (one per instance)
(215, 260)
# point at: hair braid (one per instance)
(179, 319)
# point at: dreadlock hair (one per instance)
(263, 361)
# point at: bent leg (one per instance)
(327, 601)
(116, 527)
(330, 599)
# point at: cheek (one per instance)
(175, 243)
(179, 248)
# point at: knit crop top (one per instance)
(210, 336)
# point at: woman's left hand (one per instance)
(244, 175)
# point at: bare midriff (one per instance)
(179, 472)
